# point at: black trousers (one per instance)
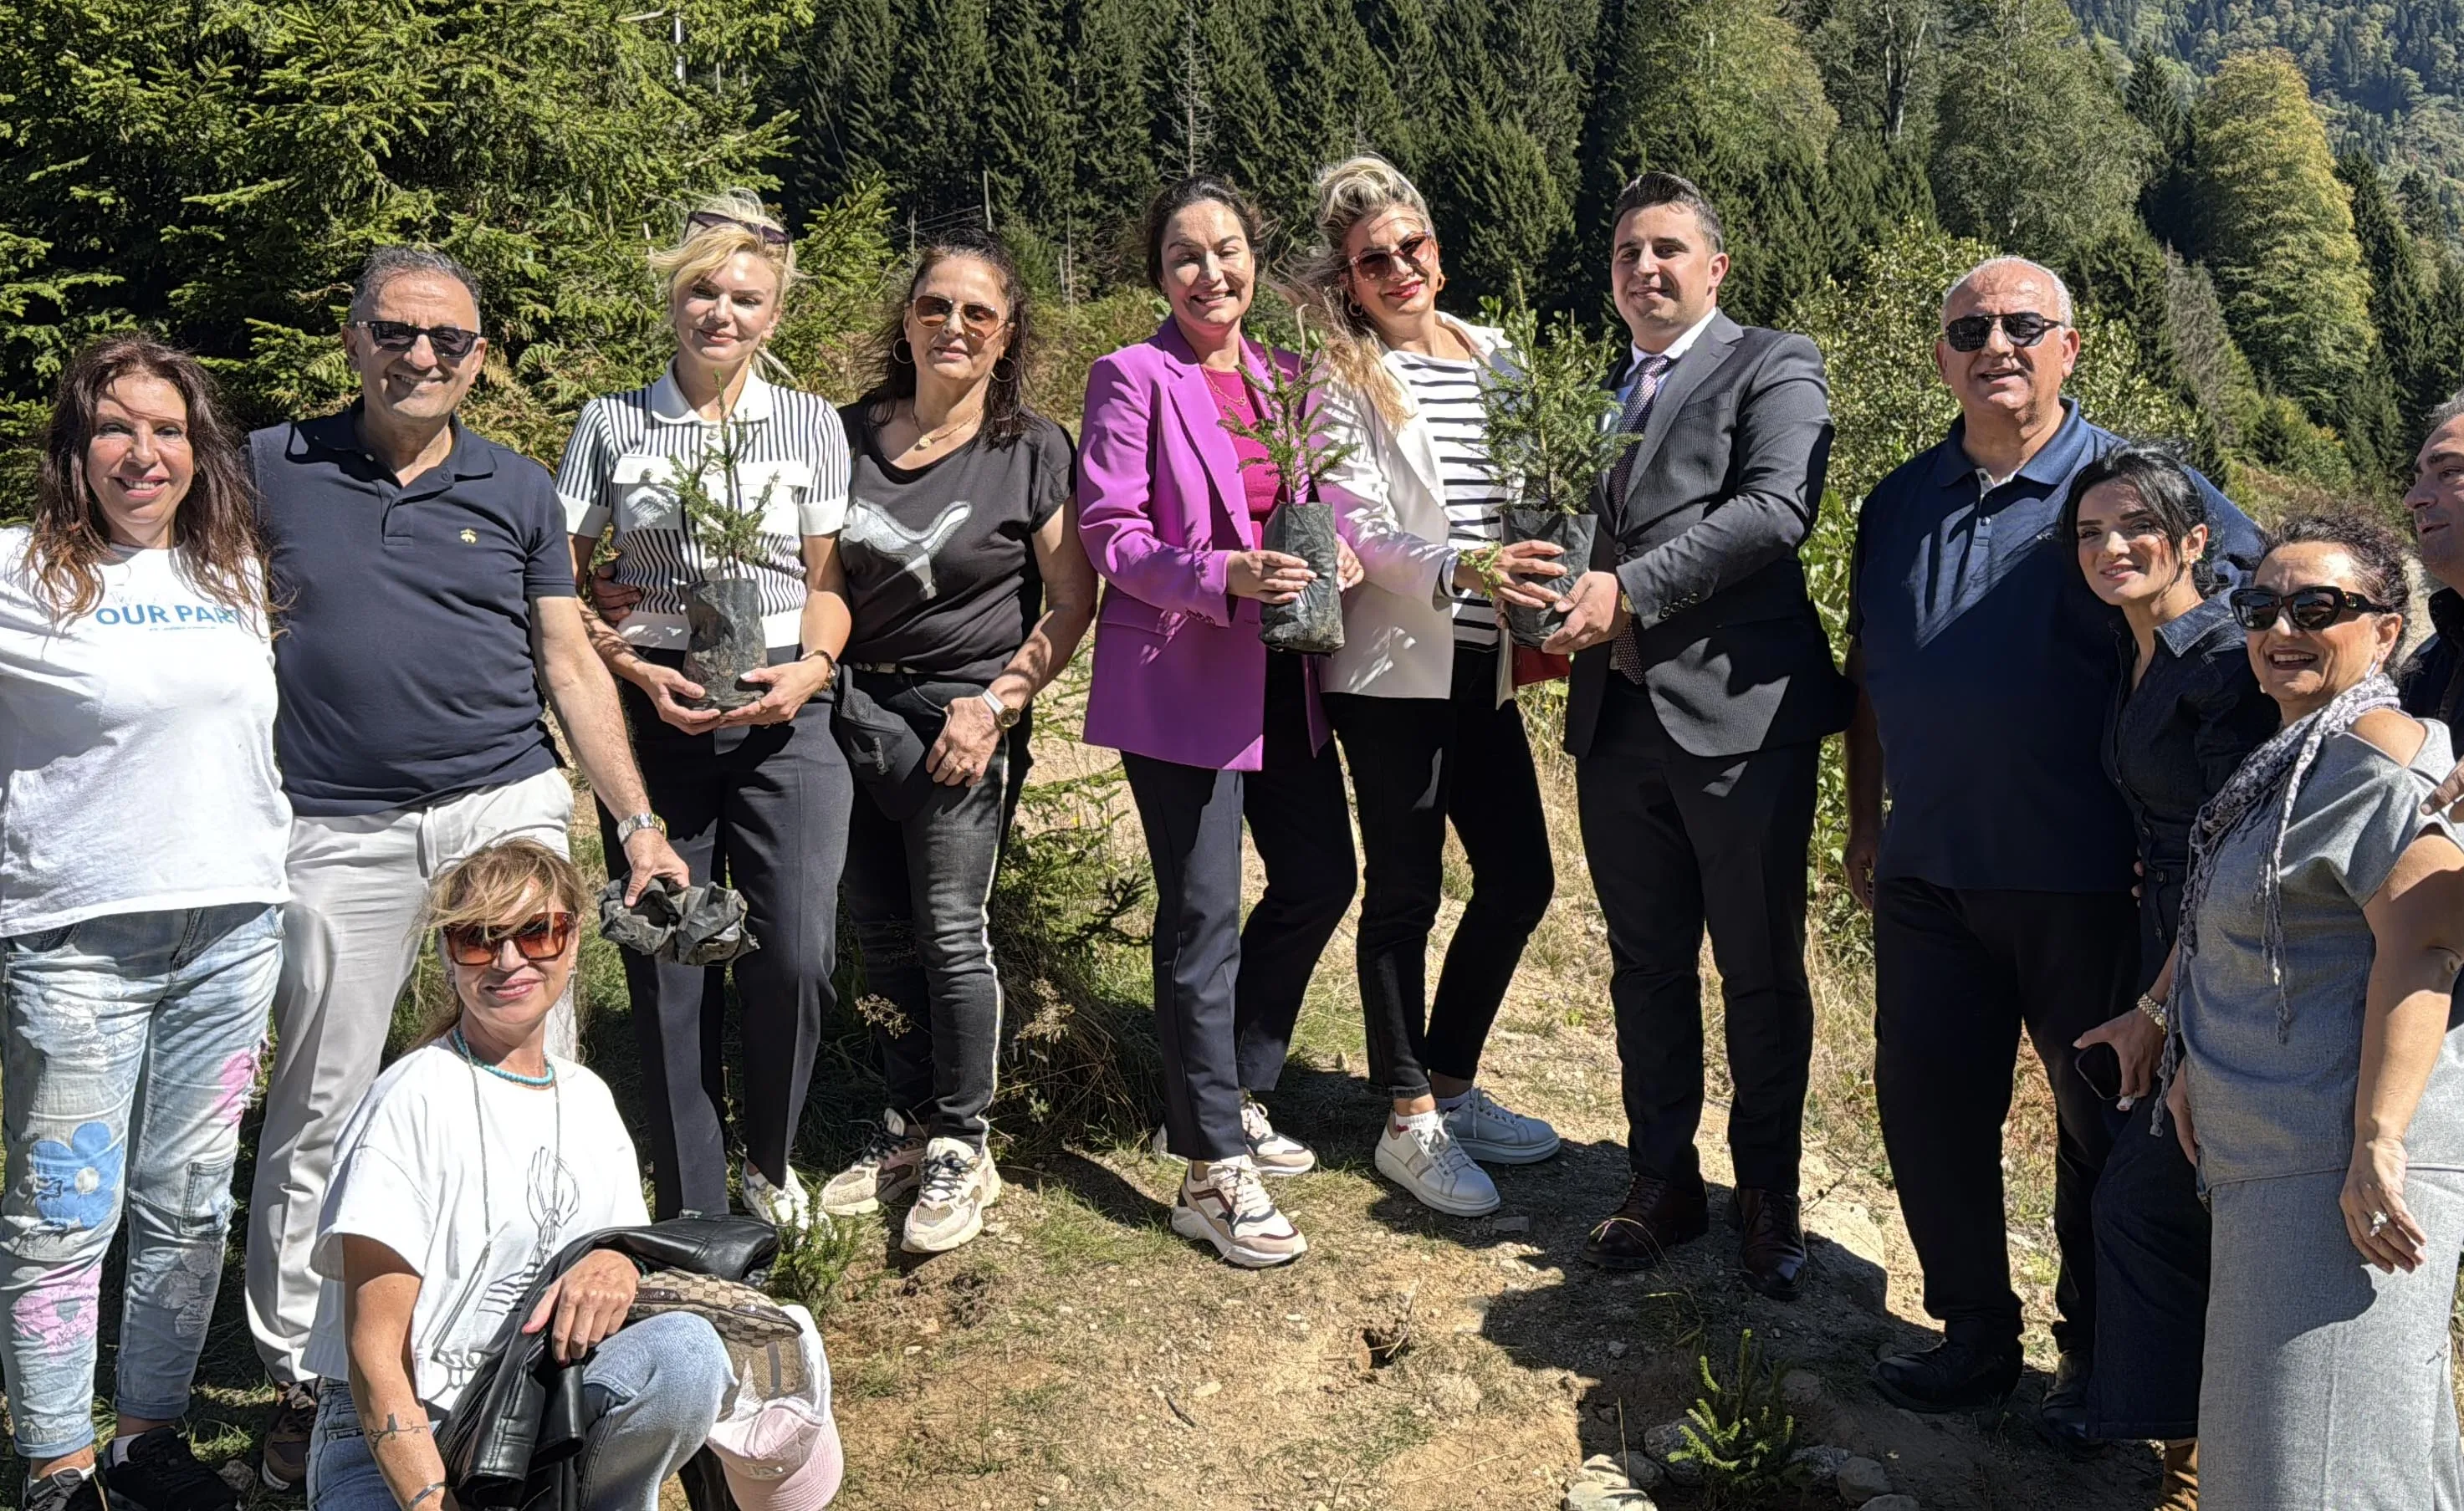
(764, 808)
(2152, 1238)
(1957, 974)
(1228, 996)
(1417, 763)
(1676, 843)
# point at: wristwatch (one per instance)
(1002, 713)
(627, 828)
(2157, 1010)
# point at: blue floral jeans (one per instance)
(131, 1051)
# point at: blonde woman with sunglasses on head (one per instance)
(473, 1160)
(757, 796)
(1422, 692)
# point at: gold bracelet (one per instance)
(2156, 1010)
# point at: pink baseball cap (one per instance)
(782, 1453)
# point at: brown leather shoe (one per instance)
(2181, 1486)
(1773, 1248)
(1658, 1216)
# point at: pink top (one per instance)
(1233, 400)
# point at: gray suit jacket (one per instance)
(1724, 489)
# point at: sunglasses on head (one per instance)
(978, 321)
(541, 938)
(712, 220)
(1402, 258)
(1970, 331)
(2315, 607)
(451, 342)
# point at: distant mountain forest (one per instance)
(2261, 201)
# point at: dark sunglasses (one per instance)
(2025, 327)
(2316, 607)
(541, 938)
(1382, 263)
(452, 342)
(979, 321)
(712, 220)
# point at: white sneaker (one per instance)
(884, 1170)
(1231, 1209)
(1273, 1153)
(957, 1183)
(780, 1206)
(1418, 1155)
(1494, 1134)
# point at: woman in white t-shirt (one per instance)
(141, 836)
(473, 1161)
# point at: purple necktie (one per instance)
(1625, 652)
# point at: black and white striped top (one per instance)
(621, 467)
(1448, 394)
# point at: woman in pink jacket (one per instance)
(1210, 726)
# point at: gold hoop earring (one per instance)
(999, 376)
(908, 361)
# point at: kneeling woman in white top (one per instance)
(473, 1161)
(1421, 694)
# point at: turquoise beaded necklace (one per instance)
(514, 1076)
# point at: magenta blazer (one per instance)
(1180, 673)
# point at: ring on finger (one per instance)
(2378, 1223)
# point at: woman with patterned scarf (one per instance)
(2313, 1078)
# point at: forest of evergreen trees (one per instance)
(2258, 202)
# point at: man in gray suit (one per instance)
(1702, 688)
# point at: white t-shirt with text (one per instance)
(137, 764)
(424, 1172)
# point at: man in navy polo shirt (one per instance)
(426, 594)
(2001, 881)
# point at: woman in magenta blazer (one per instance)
(1211, 727)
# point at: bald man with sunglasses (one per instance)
(427, 599)
(2000, 881)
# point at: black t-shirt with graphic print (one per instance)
(940, 559)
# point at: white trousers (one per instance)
(351, 941)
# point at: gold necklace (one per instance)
(925, 439)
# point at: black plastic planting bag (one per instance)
(1311, 624)
(724, 616)
(1570, 534)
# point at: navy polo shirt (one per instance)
(405, 660)
(1991, 668)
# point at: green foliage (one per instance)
(811, 1261)
(725, 523)
(1287, 426)
(1739, 1432)
(2032, 149)
(1549, 433)
(2276, 228)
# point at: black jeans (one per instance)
(919, 894)
(2152, 1239)
(763, 808)
(1676, 843)
(1417, 763)
(1956, 976)
(1228, 996)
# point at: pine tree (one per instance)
(2032, 150)
(2276, 228)
(2418, 346)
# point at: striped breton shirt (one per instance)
(1448, 394)
(621, 465)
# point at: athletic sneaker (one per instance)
(1274, 1154)
(885, 1171)
(1231, 1209)
(1418, 1155)
(69, 1490)
(157, 1472)
(1494, 1134)
(957, 1183)
(283, 1464)
(780, 1206)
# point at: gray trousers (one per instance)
(350, 940)
(2325, 1382)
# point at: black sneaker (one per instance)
(283, 1463)
(2063, 1417)
(158, 1473)
(1949, 1377)
(69, 1490)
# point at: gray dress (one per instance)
(2325, 1381)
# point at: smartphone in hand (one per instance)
(2100, 1066)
